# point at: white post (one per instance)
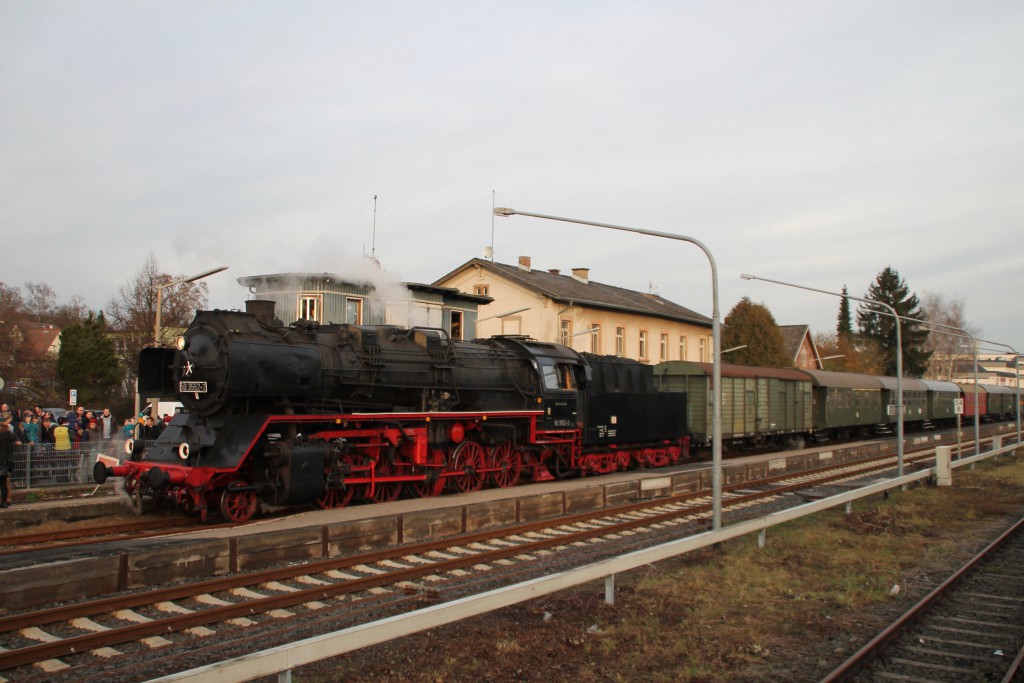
(609, 589)
(943, 470)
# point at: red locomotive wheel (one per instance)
(335, 498)
(433, 484)
(468, 459)
(509, 462)
(238, 506)
(385, 493)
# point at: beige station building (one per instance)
(581, 313)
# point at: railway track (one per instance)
(970, 628)
(105, 638)
(107, 533)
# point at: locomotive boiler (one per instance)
(277, 415)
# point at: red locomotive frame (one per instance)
(376, 456)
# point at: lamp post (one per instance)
(1016, 367)
(159, 297)
(899, 356)
(716, 333)
(974, 343)
(154, 402)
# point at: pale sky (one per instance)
(809, 142)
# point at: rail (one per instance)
(281, 660)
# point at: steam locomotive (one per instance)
(278, 415)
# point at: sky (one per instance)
(814, 143)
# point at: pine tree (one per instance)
(877, 324)
(844, 326)
(87, 361)
(753, 327)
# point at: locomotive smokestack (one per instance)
(263, 309)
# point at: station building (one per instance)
(581, 313)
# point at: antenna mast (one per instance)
(373, 243)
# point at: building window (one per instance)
(456, 327)
(595, 338)
(310, 306)
(682, 347)
(354, 311)
(643, 344)
(664, 347)
(565, 335)
(482, 290)
(703, 351)
(620, 341)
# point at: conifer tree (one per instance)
(87, 361)
(844, 327)
(877, 324)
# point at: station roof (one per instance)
(586, 292)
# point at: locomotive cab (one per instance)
(563, 376)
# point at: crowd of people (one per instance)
(34, 438)
(39, 431)
(37, 426)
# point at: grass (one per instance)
(790, 611)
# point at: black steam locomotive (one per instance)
(307, 413)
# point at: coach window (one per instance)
(309, 307)
(353, 310)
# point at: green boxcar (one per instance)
(760, 406)
(845, 403)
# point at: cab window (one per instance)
(557, 375)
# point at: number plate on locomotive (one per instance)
(192, 387)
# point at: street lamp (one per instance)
(154, 402)
(1016, 367)
(974, 343)
(899, 356)
(716, 332)
(159, 296)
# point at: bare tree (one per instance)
(948, 347)
(132, 313)
(31, 374)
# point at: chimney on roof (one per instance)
(581, 274)
(524, 263)
(554, 271)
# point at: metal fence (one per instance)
(42, 465)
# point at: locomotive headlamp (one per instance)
(181, 343)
